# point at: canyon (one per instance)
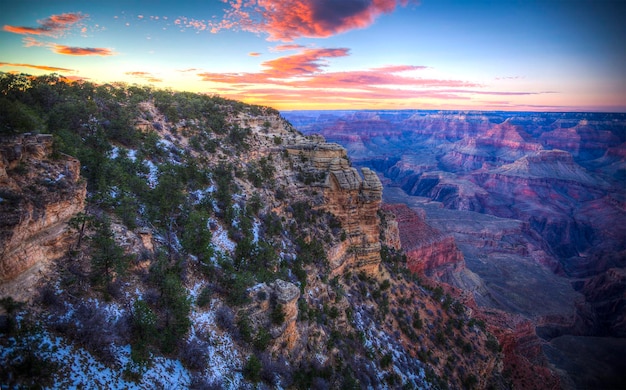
(522, 211)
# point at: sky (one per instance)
(517, 55)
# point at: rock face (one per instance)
(428, 250)
(265, 298)
(353, 199)
(38, 195)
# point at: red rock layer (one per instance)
(427, 249)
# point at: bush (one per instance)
(204, 298)
(277, 314)
(262, 339)
(252, 369)
(225, 318)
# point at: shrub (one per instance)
(277, 315)
(204, 298)
(225, 318)
(386, 360)
(262, 339)
(252, 369)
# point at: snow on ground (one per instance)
(255, 231)
(412, 370)
(79, 369)
(220, 238)
(199, 195)
(223, 361)
(153, 175)
(114, 153)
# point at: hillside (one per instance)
(160, 239)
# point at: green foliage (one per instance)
(262, 339)
(16, 117)
(252, 369)
(107, 258)
(174, 304)
(245, 329)
(492, 344)
(277, 315)
(310, 252)
(143, 330)
(204, 298)
(196, 236)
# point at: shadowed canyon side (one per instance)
(535, 203)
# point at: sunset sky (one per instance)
(544, 55)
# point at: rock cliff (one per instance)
(38, 195)
(353, 199)
(428, 250)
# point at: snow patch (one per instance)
(221, 240)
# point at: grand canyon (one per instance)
(521, 213)
(152, 238)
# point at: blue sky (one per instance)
(550, 55)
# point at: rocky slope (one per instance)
(39, 195)
(534, 202)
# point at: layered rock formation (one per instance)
(428, 250)
(38, 195)
(278, 295)
(353, 199)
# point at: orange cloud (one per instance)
(301, 80)
(149, 77)
(254, 54)
(81, 51)
(53, 26)
(286, 20)
(41, 67)
(306, 62)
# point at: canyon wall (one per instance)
(353, 199)
(39, 194)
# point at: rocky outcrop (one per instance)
(428, 250)
(38, 195)
(353, 199)
(266, 298)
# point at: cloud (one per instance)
(81, 51)
(41, 67)
(287, 47)
(254, 54)
(286, 20)
(303, 80)
(52, 26)
(149, 77)
(306, 62)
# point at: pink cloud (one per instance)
(287, 47)
(81, 51)
(53, 26)
(286, 20)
